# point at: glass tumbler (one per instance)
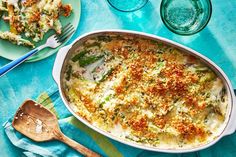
(127, 5)
(185, 17)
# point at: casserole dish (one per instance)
(63, 60)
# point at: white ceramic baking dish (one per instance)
(65, 52)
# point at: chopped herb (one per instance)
(101, 104)
(122, 115)
(108, 98)
(113, 117)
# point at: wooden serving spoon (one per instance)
(39, 124)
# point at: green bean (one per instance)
(222, 94)
(88, 60)
(201, 69)
(78, 56)
(106, 75)
(94, 44)
(207, 77)
(68, 72)
(104, 38)
(26, 43)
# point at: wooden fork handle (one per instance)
(75, 145)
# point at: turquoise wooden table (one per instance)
(216, 41)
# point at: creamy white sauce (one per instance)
(216, 89)
(119, 131)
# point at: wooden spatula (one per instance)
(39, 124)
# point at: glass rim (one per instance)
(132, 10)
(187, 33)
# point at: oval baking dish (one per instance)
(186, 127)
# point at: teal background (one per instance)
(217, 42)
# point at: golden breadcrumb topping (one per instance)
(144, 91)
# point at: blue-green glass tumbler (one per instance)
(127, 5)
(185, 17)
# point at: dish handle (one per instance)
(231, 128)
(59, 62)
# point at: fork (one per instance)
(53, 42)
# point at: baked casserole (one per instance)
(144, 91)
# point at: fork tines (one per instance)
(67, 31)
